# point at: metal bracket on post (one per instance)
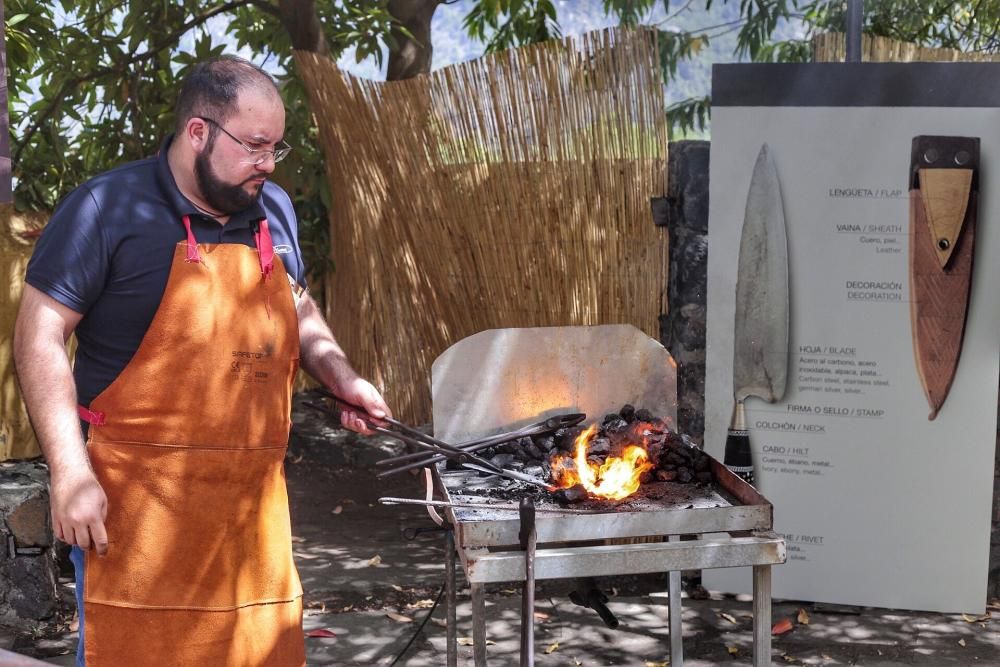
(855, 26)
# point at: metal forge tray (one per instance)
(573, 544)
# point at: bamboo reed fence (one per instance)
(831, 47)
(509, 191)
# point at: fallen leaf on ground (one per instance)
(296, 539)
(782, 626)
(348, 607)
(297, 459)
(322, 632)
(440, 622)
(961, 642)
(397, 587)
(551, 648)
(467, 641)
(803, 617)
(541, 616)
(399, 618)
(377, 560)
(337, 510)
(976, 619)
(729, 617)
(733, 650)
(665, 663)
(788, 658)
(421, 604)
(577, 662)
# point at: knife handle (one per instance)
(739, 456)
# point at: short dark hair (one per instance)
(212, 87)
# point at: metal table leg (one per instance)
(674, 605)
(478, 625)
(762, 615)
(449, 585)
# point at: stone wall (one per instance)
(28, 572)
(682, 330)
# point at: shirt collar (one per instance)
(183, 206)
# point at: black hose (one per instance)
(419, 628)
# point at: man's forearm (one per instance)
(46, 382)
(320, 354)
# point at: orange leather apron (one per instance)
(188, 443)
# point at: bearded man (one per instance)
(182, 279)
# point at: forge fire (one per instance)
(609, 460)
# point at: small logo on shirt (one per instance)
(282, 249)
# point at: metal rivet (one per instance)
(962, 157)
(944, 244)
(930, 156)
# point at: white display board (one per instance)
(879, 506)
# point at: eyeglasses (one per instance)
(255, 155)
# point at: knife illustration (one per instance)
(944, 193)
(760, 344)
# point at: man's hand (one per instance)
(362, 393)
(79, 508)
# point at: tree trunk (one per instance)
(302, 23)
(412, 55)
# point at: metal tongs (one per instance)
(395, 429)
(422, 460)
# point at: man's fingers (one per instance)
(58, 531)
(81, 537)
(100, 537)
(352, 421)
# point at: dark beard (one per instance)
(221, 196)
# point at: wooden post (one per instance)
(6, 187)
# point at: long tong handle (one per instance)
(549, 425)
(413, 436)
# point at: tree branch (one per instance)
(122, 66)
(302, 23)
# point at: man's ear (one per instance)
(196, 132)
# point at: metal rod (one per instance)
(481, 506)
(528, 538)
(674, 604)
(449, 584)
(854, 28)
(762, 616)
(478, 625)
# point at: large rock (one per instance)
(29, 523)
(28, 572)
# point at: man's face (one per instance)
(228, 179)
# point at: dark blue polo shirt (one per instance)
(106, 253)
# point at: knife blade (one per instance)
(760, 342)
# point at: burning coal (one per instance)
(615, 478)
(610, 460)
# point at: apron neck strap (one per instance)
(261, 237)
(265, 248)
(192, 245)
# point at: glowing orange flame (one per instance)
(616, 478)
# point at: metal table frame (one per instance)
(737, 535)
